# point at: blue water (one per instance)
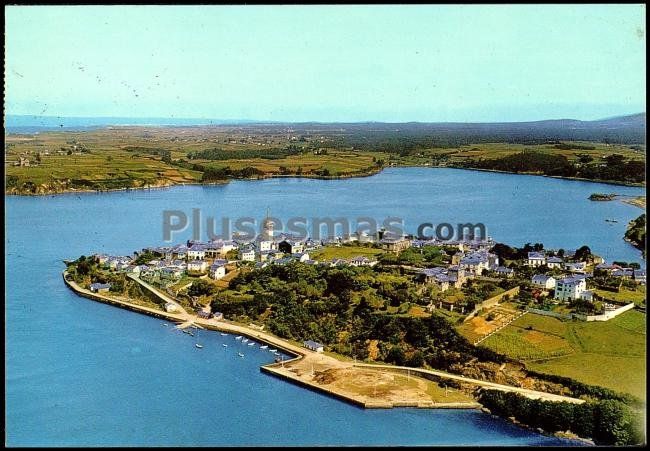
(83, 373)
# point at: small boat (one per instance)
(199, 346)
(273, 350)
(165, 324)
(244, 340)
(251, 343)
(191, 333)
(277, 353)
(240, 354)
(263, 347)
(238, 338)
(224, 345)
(223, 335)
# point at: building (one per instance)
(247, 254)
(536, 259)
(554, 262)
(394, 243)
(362, 261)
(100, 287)
(438, 276)
(301, 257)
(196, 252)
(543, 281)
(289, 246)
(314, 346)
(569, 288)
(204, 314)
(197, 266)
(170, 307)
(217, 270)
(575, 266)
(504, 272)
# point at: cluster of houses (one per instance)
(573, 286)
(463, 266)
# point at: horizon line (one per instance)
(267, 121)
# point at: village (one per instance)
(464, 277)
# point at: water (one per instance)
(83, 373)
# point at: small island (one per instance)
(397, 321)
(602, 197)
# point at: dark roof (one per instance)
(312, 344)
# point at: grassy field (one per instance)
(131, 157)
(498, 150)
(344, 252)
(637, 296)
(610, 354)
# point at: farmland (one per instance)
(145, 156)
(610, 354)
(344, 252)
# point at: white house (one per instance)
(301, 256)
(247, 254)
(575, 266)
(100, 287)
(217, 271)
(554, 262)
(569, 288)
(196, 252)
(314, 346)
(197, 266)
(536, 259)
(543, 281)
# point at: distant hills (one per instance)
(628, 129)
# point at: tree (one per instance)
(200, 288)
(583, 253)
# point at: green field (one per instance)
(610, 354)
(129, 157)
(344, 252)
(637, 296)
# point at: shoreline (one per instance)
(579, 179)
(292, 375)
(316, 177)
(274, 368)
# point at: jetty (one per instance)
(364, 385)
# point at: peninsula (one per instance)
(385, 325)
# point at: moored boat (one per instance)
(240, 354)
(198, 346)
(238, 337)
(263, 347)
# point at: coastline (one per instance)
(168, 184)
(276, 369)
(580, 179)
(295, 369)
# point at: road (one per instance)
(507, 388)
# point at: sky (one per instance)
(427, 63)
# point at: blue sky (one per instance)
(327, 63)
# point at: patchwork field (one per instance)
(344, 252)
(610, 354)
